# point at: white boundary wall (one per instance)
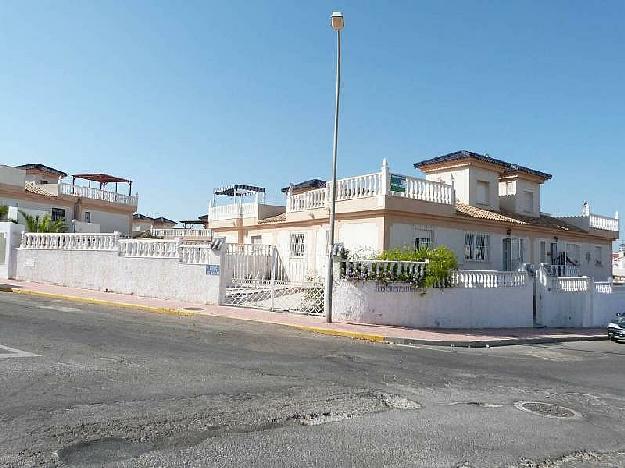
(10, 238)
(576, 302)
(402, 305)
(159, 277)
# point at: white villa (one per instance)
(618, 265)
(37, 190)
(486, 210)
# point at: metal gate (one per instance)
(256, 276)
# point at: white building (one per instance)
(486, 210)
(38, 190)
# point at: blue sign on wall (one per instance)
(212, 270)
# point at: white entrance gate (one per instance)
(256, 276)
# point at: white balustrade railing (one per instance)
(149, 248)
(372, 185)
(310, 200)
(427, 190)
(604, 222)
(488, 279)
(387, 270)
(70, 241)
(196, 254)
(173, 233)
(249, 249)
(603, 287)
(97, 194)
(573, 284)
(363, 186)
(561, 270)
(233, 211)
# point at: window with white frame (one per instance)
(298, 245)
(256, 239)
(58, 214)
(423, 238)
(598, 255)
(476, 246)
(87, 216)
(483, 192)
(528, 201)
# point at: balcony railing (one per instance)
(97, 194)
(233, 211)
(371, 185)
(181, 232)
(604, 222)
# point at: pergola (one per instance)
(241, 190)
(103, 179)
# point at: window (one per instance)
(298, 245)
(476, 246)
(572, 254)
(598, 255)
(483, 191)
(87, 216)
(543, 252)
(58, 214)
(513, 253)
(509, 188)
(423, 238)
(256, 239)
(528, 201)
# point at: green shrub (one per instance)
(441, 263)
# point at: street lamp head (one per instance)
(336, 21)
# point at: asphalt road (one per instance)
(85, 385)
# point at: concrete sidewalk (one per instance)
(376, 333)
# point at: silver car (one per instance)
(616, 328)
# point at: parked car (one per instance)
(616, 328)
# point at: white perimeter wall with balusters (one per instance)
(164, 278)
(401, 305)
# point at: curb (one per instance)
(313, 329)
(87, 300)
(493, 343)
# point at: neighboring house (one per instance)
(486, 210)
(618, 265)
(38, 190)
(142, 223)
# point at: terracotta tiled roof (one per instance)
(509, 168)
(462, 209)
(34, 188)
(274, 219)
(43, 168)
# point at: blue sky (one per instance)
(185, 96)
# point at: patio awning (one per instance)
(238, 190)
(103, 179)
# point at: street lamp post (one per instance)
(337, 23)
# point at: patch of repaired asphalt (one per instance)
(547, 410)
(580, 459)
(188, 422)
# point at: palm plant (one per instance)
(4, 212)
(43, 223)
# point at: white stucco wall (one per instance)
(107, 271)
(109, 222)
(361, 236)
(36, 208)
(402, 235)
(368, 302)
(10, 238)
